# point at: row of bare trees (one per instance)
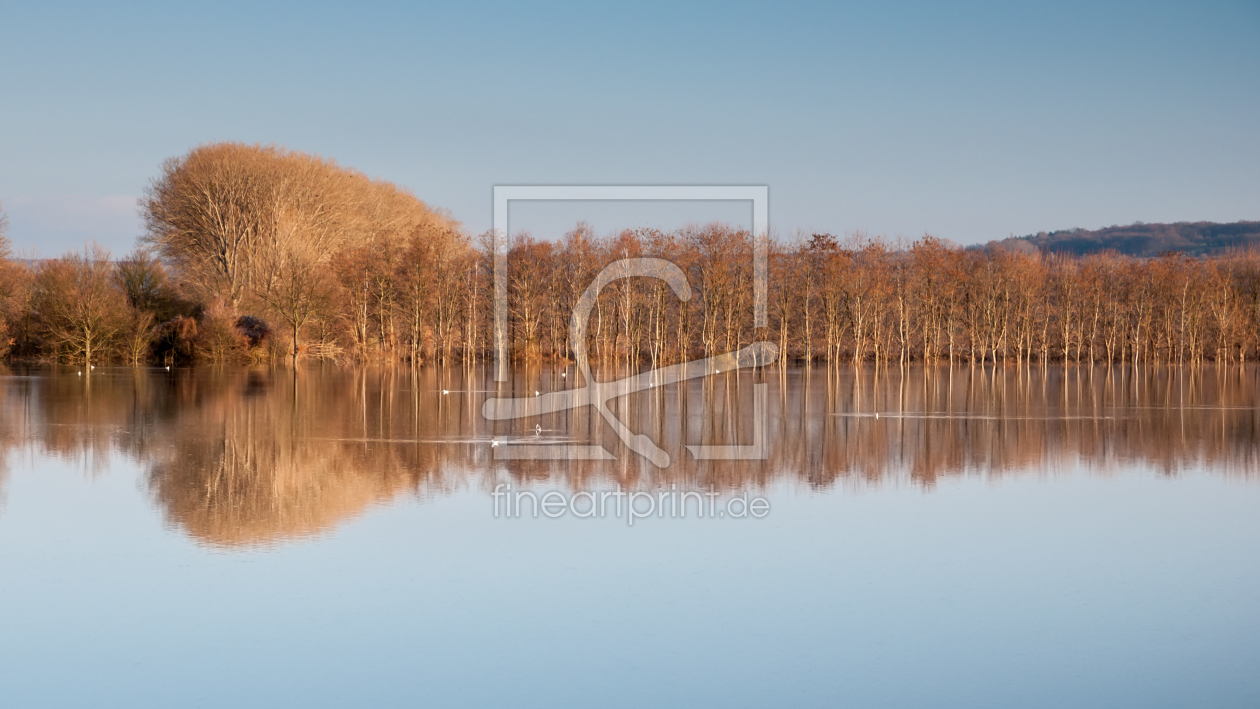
(263, 253)
(863, 299)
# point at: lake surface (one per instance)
(1059, 537)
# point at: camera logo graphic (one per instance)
(598, 394)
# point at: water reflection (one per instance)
(244, 457)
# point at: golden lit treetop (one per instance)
(233, 218)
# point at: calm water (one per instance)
(1032, 538)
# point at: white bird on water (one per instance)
(445, 392)
(535, 393)
(80, 374)
(494, 443)
(537, 429)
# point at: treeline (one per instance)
(249, 253)
(258, 253)
(863, 299)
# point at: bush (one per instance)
(176, 339)
(218, 338)
(254, 329)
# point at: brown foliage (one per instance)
(343, 266)
(14, 292)
(257, 227)
(13, 289)
(78, 307)
(864, 299)
(218, 338)
(175, 340)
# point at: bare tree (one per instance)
(14, 290)
(79, 304)
(300, 293)
(230, 217)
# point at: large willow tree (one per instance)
(252, 226)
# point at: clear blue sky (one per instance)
(968, 120)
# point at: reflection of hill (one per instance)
(239, 457)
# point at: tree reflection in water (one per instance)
(242, 457)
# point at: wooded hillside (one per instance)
(1143, 240)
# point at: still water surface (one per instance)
(326, 537)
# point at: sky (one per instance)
(970, 121)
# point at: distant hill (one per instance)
(1192, 238)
